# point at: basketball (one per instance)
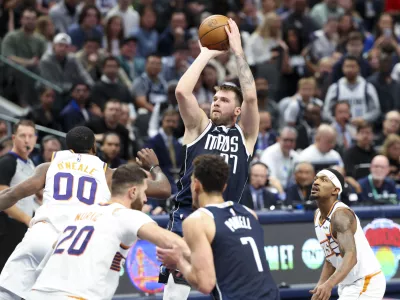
(212, 33)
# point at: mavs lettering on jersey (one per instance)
(238, 248)
(224, 141)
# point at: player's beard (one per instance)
(137, 204)
(221, 120)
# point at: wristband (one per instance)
(151, 169)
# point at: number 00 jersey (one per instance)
(88, 256)
(367, 263)
(226, 142)
(240, 262)
(73, 180)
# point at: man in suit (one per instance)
(167, 147)
(255, 194)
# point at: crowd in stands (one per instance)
(327, 74)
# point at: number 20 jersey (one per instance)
(73, 180)
(226, 142)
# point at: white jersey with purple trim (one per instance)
(73, 180)
(367, 263)
(89, 254)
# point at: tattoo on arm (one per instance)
(245, 75)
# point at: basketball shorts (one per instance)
(371, 287)
(19, 273)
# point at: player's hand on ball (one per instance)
(147, 158)
(210, 53)
(234, 37)
(322, 292)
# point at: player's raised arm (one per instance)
(344, 225)
(249, 117)
(193, 116)
(32, 185)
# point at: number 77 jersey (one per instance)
(73, 180)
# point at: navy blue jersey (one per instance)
(220, 140)
(240, 262)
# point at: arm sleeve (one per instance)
(373, 105)
(130, 221)
(8, 165)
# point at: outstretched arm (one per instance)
(249, 118)
(32, 185)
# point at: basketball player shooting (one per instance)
(219, 134)
(350, 261)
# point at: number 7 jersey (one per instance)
(73, 180)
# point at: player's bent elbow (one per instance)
(181, 94)
(206, 284)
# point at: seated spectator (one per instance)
(87, 27)
(110, 150)
(132, 64)
(61, 68)
(91, 57)
(266, 136)
(321, 153)
(76, 112)
(294, 113)
(113, 35)
(167, 148)
(307, 128)
(351, 188)
(109, 123)
(175, 65)
(109, 86)
(346, 132)
(48, 146)
(266, 103)
(255, 195)
(326, 9)
(300, 191)
(44, 114)
(280, 157)
(25, 48)
(391, 125)
(45, 27)
(391, 149)
(358, 157)
(377, 187)
(361, 94)
(323, 76)
(63, 14)
(128, 14)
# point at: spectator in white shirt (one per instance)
(321, 152)
(281, 156)
(130, 16)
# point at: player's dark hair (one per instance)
(338, 175)
(80, 139)
(24, 122)
(126, 176)
(212, 171)
(229, 86)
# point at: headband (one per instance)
(332, 177)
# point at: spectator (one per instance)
(325, 10)
(175, 65)
(361, 95)
(45, 27)
(110, 150)
(129, 16)
(91, 57)
(16, 167)
(64, 14)
(24, 47)
(391, 149)
(209, 78)
(307, 128)
(175, 34)
(354, 48)
(76, 112)
(300, 191)
(87, 27)
(346, 26)
(351, 188)
(323, 76)
(370, 12)
(127, 119)
(132, 64)
(321, 153)
(357, 158)
(150, 88)
(391, 125)
(265, 103)
(6, 144)
(377, 187)
(346, 132)
(266, 136)
(114, 35)
(294, 113)
(48, 146)
(3, 129)
(167, 148)
(61, 68)
(146, 35)
(255, 195)
(280, 157)
(44, 113)
(109, 87)
(385, 33)
(109, 123)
